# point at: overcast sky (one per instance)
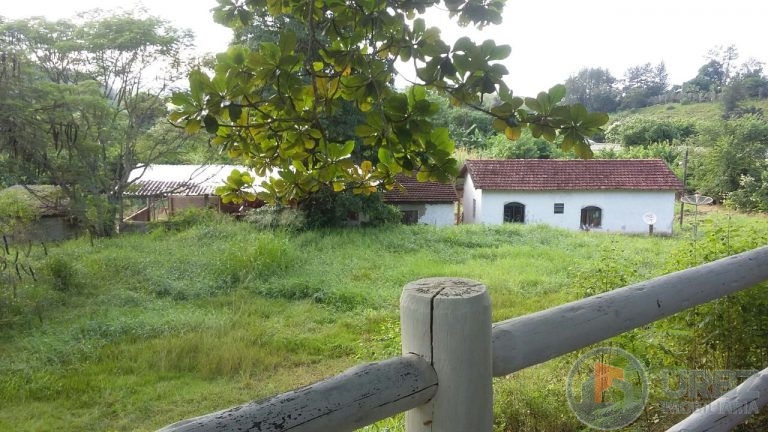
(550, 39)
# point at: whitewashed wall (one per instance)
(440, 214)
(470, 193)
(622, 210)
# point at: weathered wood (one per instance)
(448, 322)
(358, 397)
(729, 410)
(535, 338)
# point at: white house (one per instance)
(608, 195)
(428, 203)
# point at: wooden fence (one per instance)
(451, 350)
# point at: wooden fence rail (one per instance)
(452, 351)
(359, 396)
(538, 337)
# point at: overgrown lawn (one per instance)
(136, 332)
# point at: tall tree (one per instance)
(270, 105)
(642, 83)
(82, 97)
(595, 88)
(726, 57)
(710, 78)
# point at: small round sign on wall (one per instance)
(649, 218)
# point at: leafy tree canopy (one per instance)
(595, 88)
(76, 98)
(271, 105)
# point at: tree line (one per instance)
(719, 78)
(83, 102)
(306, 92)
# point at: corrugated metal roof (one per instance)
(560, 174)
(162, 180)
(416, 191)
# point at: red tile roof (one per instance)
(560, 174)
(425, 192)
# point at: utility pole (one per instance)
(685, 174)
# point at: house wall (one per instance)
(45, 229)
(440, 214)
(622, 210)
(471, 202)
(181, 202)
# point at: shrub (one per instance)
(16, 210)
(326, 208)
(63, 274)
(190, 217)
(276, 217)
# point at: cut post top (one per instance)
(444, 287)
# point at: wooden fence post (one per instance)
(448, 322)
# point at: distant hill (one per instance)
(676, 111)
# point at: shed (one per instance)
(52, 218)
(166, 189)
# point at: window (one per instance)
(591, 217)
(474, 208)
(410, 217)
(559, 208)
(514, 212)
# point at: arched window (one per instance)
(514, 212)
(591, 217)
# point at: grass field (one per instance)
(143, 330)
(708, 111)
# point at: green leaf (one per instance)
(211, 124)
(500, 52)
(180, 99)
(396, 105)
(192, 126)
(237, 54)
(499, 124)
(197, 82)
(385, 156)
(533, 104)
(235, 111)
(513, 133)
(594, 120)
(287, 41)
(557, 93)
(465, 44)
(419, 26)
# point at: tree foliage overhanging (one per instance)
(273, 106)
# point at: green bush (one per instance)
(190, 217)
(276, 217)
(62, 273)
(16, 210)
(526, 147)
(752, 194)
(326, 209)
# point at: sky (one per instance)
(550, 39)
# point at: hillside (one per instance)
(708, 111)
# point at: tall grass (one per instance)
(175, 323)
